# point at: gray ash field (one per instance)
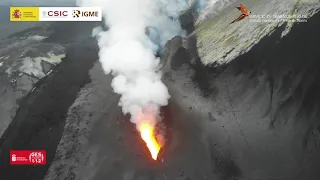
(255, 118)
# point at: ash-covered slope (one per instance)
(254, 118)
(39, 120)
(219, 42)
(259, 114)
(29, 55)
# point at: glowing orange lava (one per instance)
(147, 134)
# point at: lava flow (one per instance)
(147, 134)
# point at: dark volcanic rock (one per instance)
(266, 106)
(44, 109)
(175, 54)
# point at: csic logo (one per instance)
(16, 14)
(78, 13)
(55, 13)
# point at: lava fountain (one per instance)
(147, 129)
(147, 134)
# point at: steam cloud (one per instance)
(208, 8)
(128, 52)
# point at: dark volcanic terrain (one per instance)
(255, 118)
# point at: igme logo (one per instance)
(78, 13)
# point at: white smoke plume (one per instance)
(128, 52)
(208, 8)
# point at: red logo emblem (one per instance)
(16, 14)
(34, 157)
